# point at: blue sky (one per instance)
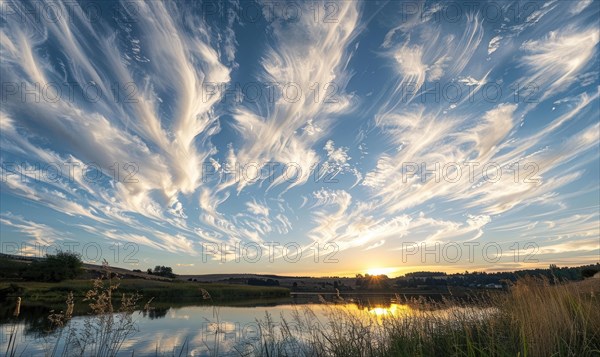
(367, 136)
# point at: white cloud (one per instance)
(549, 68)
(303, 52)
(257, 209)
(42, 234)
(580, 5)
(168, 151)
(494, 44)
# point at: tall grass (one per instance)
(13, 333)
(561, 319)
(535, 318)
(103, 332)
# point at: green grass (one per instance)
(160, 290)
(11, 269)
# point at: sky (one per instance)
(302, 138)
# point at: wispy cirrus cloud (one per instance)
(303, 54)
(345, 76)
(549, 68)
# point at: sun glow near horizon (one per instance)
(382, 271)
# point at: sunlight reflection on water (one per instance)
(206, 329)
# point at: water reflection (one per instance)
(210, 330)
(392, 310)
(155, 313)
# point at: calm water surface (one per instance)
(205, 329)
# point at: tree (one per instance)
(62, 266)
(588, 273)
(162, 270)
(262, 282)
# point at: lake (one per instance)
(206, 330)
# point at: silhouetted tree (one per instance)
(162, 270)
(62, 266)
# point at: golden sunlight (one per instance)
(392, 310)
(381, 271)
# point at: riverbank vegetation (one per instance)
(48, 280)
(52, 268)
(534, 318)
(41, 292)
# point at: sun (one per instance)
(381, 271)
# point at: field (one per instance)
(159, 290)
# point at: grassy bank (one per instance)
(160, 290)
(534, 318)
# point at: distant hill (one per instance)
(421, 280)
(221, 277)
(90, 270)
